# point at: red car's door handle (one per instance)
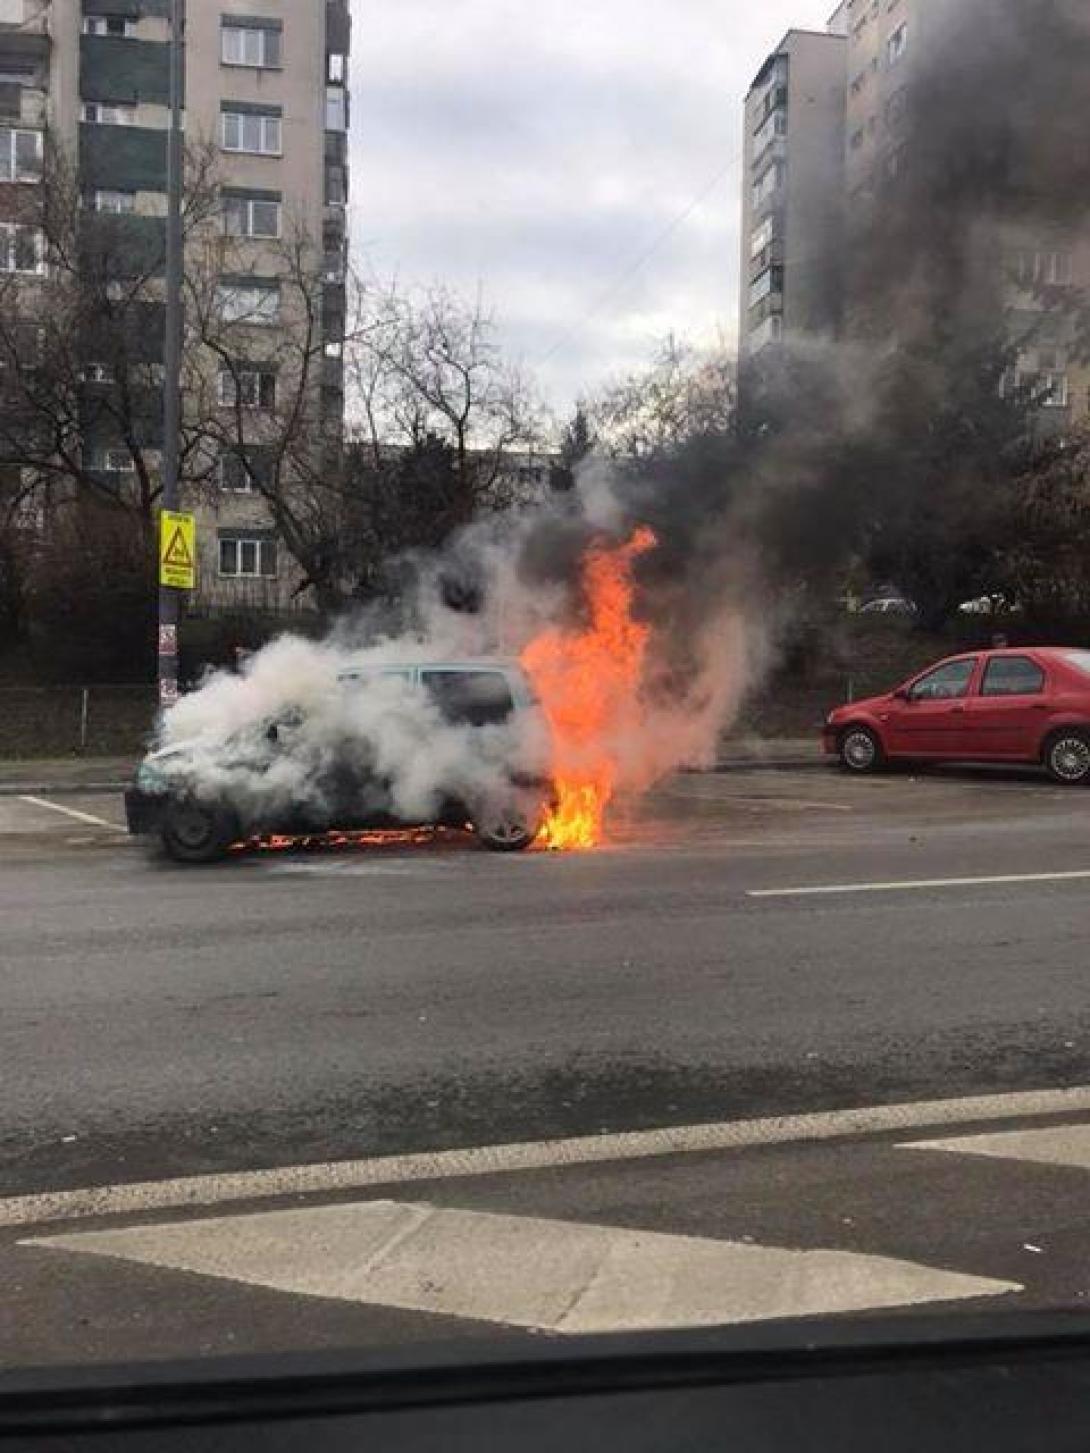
(1039, 705)
(957, 710)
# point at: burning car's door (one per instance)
(928, 719)
(357, 795)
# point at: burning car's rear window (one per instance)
(470, 698)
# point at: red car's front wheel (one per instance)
(860, 750)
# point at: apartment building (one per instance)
(267, 106)
(804, 208)
(792, 192)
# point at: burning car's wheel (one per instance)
(193, 832)
(860, 750)
(506, 831)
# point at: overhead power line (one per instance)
(638, 262)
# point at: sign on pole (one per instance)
(177, 550)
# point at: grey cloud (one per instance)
(539, 150)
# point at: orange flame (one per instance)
(588, 682)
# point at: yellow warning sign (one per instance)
(177, 550)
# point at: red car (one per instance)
(1029, 704)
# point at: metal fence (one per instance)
(59, 721)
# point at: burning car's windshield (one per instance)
(544, 668)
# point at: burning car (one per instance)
(390, 745)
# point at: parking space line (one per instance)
(72, 812)
(917, 884)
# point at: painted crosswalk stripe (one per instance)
(1049, 1145)
(558, 1276)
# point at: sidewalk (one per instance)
(60, 775)
(64, 774)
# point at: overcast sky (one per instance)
(540, 149)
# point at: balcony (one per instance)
(22, 105)
(770, 256)
(775, 149)
(768, 307)
(766, 333)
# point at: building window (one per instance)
(246, 45)
(111, 461)
(101, 113)
(762, 237)
(247, 388)
(247, 555)
(20, 155)
(336, 185)
(336, 68)
(251, 217)
(1050, 389)
(256, 302)
(774, 126)
(258, 135)
(115, 202)
(21, 249)
(336, 108)
(97, 373)
(770, 281)
(234, 477)
(769, 183)
(109, 25)
(1047, 268)
(897, 44)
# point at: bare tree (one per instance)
(427, 365)
(685, 394)
(81, 344)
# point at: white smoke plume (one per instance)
(379, 729)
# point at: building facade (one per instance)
(267, 117)
(828, 131)
(792, 193)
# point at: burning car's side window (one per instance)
(470, 698)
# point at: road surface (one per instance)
(749, 946)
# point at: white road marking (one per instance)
(523, 1271)
(347, 1175)
(1047, 1145)
(915, 884)
(728, 799)
(73, 812)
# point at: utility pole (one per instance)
(172, 348)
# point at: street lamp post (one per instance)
(172, 347)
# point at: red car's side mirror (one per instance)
(901, 694)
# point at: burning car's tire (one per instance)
(860, 750)
(195, 832)
(506, 831)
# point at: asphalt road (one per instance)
(323, 1005)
